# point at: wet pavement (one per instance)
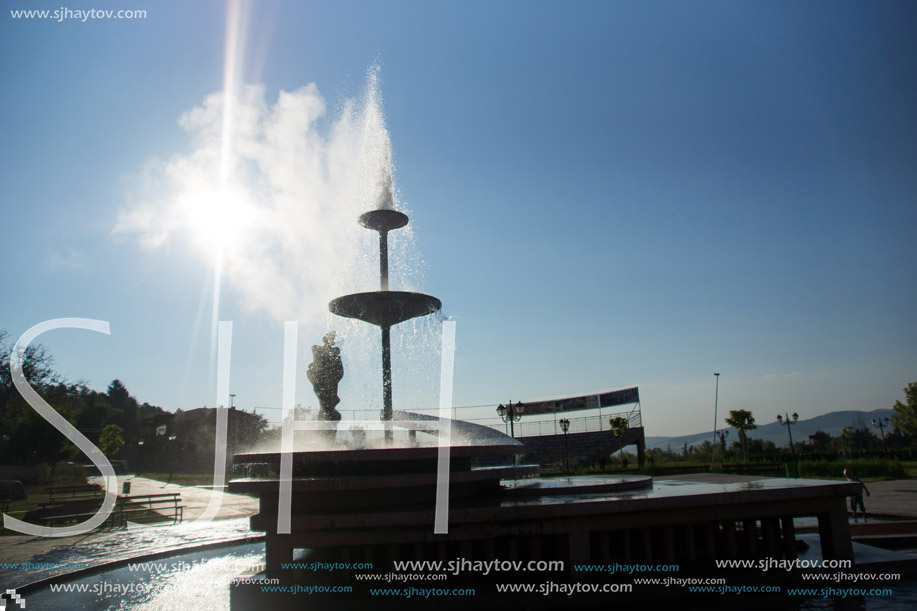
(892, 498)
(43, 557)
(52, 556)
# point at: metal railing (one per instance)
(586, 424)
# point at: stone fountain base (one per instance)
(355, 514)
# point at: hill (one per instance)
(831, 423)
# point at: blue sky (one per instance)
(603, 194)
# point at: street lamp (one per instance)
(171, 439)
(788, 423)
(511, 413)
(716, 404)
(565, 426)
(880, 424)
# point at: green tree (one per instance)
(905, 416)
(743, 421)
(124, 405)
(820, 441)
(619, 428)
(111, 440)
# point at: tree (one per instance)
(905, 416)
(123, 403)
(742, 421)
(619, 428)
(820, 441)
(111, 441)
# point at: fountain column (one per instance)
(385, 308)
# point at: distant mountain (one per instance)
(832, 423)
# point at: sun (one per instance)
(218, 218)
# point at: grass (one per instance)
(869, 469)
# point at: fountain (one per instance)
(385, 308)
(378, 505)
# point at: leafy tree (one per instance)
(122, 401)
(26, 437)
(619, 428)
(842, 443)
(111, 440)
(723, 435)
(820, 441)
(704, 451)
(743, 421)
(905, 416)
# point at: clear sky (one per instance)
(603, 194)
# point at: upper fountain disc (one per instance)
(383, 220)
(385, 308)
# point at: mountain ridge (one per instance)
(831, 423)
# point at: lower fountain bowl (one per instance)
(385, 308)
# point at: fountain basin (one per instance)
(371, 462)
(385, 308)
(383, 220)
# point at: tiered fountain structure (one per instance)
(379, 505)
(385, 308)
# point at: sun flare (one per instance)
(218, 219)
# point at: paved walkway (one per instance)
(892, 498)
(106, 545)
(194, 498)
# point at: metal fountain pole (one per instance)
(385, 308)
(386, 341)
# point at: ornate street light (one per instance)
(788, 423)
(565, 426)
(171, 439)
(511, 413)
(716, 405)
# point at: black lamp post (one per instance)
(880, 424)
(716, 405)
(511, 413)
(788, 423)
(171, 439)
(565, 426)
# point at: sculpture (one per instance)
(325, 373)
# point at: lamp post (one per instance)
(171, 439)
(880, 424)
(565, 426)
(511, 413)
(789, 423)
(716, 404)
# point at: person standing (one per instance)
(857, 501)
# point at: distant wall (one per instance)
(583, 448)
